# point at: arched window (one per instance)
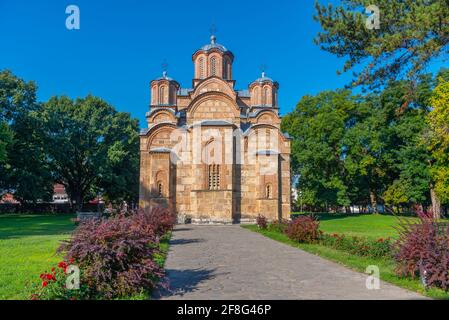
(268, 139)
(153, 95)
(214, 177)
(257, 96)
(265, 97)
(213, 66)
(201, 67)
(226, 69)
(160, 189)
(268, 191)
(162, 95)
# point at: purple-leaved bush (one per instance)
(117, 255)
(262, 222)
(303, 229)
(423, 249)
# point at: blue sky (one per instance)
(122, 44)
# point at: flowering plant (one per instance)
(53, 285)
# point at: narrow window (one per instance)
(226, 69)
(153, 96)
(201, 67)
(256, 96)
(160, 189)
(265, 97)
(268, 192)
(162, 95)
(214, 177)
(213, 66)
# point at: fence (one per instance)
(44, 208)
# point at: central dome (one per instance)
(213, 45)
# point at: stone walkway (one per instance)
(229, 262)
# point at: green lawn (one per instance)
(27, 248)
(370, 226)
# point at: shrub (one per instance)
(357, 245)
(262, 222)
(161, 219)
(303, 229)
(116, 255)
(423, 249)
(279, 226)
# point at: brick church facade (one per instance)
(212, 153)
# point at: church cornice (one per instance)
(206, 95)
(227, 84)
(211, 51)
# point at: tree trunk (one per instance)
(373, 201)
(436, 204)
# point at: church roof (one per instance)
(213, 45)
(164, 77)
(244, 93)
(264, 78)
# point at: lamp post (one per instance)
(300, 199)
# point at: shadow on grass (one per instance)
(180, 282)
(18, 226)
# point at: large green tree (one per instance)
(412, 33)
(318, 125)
(365, 149)
(92, 149)
(27, 173)
(439, 138)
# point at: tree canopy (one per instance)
(92, 148)
(364, 149)
(412, 33)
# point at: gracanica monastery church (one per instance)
(213, 153)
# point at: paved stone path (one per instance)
(229, 262)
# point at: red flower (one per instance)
(52, 269)
(62, 265)
(44, 284)
(71, 261)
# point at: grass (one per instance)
(381, 227)
(370, 226)
(27, 248)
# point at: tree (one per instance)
(92, 149)
(317, 125)
(439, 139)
(412, 33)
(366, 143)
(27, 173)
(5, 140)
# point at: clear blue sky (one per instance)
(122, 44)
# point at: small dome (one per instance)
(165, 77)
(213, 45)
(263, 78)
